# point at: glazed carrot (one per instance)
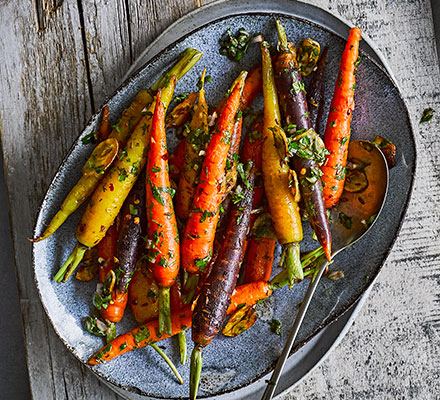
(337, 133)
(279, 180)
(132, 226)
(215, 296)
(253, 150)
(200, 227)
(259, 259)
(252, 86)
(262, 241)
(177, 161)
(92, 173)
(106, 252)
(142, 336)
(249, 294)
(180, 114)
(130, 117)
(104, 128)
(306, 149)
(196, 141)
(164, 252)
(315, 93)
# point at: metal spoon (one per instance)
(363, 198)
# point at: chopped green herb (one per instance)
(142, 334)
(90, 138)
(275, 327)
(103, 352)
(133, 210)
(234, 47)
(427, 115)
(202, 263)
(345, 220)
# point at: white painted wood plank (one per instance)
(392, 350)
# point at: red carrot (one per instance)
(337, 133)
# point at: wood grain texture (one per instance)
(39, 121)
(108, 44)
(61, 58)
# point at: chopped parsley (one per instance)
(427, 115)
(275, 326)
(345, 220)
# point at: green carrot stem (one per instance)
(182, 348)
(71, 263)
(282, 38)
(189, 288)
(307, 260)
(164, 311)
(292, 263)
(188, 59)
(168, 361)
(311, 256)
(195, 370)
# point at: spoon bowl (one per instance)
(360, 204)
(358, 208)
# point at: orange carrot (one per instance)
(249, 294)
(164, 255)
(202, 220)
(147, 333)
(196, 142)
(337, 133)
(106, 252)
(259, 259)
(177, 161)
(252, 86)
(142, 336)
(116, 308)
(104, 128)
(181, 112)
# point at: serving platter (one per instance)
(233, 366)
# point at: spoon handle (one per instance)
(273, 382)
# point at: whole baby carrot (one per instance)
(215, 296)
(132, 226)
(163, 236)
(337, 133)
(200, 227)
(279, 180)
(196, 141)
(306, 149)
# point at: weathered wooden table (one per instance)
(60, 59)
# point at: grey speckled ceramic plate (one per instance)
(232, 364)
